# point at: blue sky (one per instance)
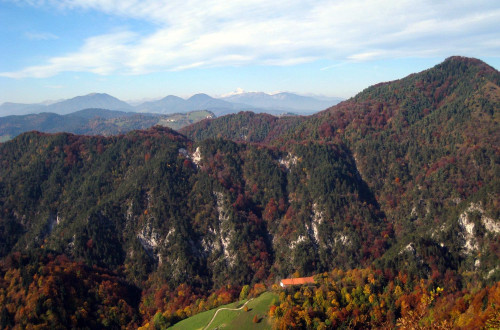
(135, 49)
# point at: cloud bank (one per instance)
(200, 33)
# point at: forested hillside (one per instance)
(427, 146)
(212, 206)
(401, 181)
(244, 127)
(94, 122)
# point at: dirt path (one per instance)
(225, 309)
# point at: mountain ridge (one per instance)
(393, 190)
(94, 122)
(167, 105)
(428, 125)
(283, 100)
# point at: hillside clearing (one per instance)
(233, 319)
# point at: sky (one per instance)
(147, 49)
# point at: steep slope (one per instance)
(209, 213)
(403, 178)
(41, 290)
(427, 145)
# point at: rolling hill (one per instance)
(94, 122)
(94, 100)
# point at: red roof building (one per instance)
(286, 282)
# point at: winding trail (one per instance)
(225, 309)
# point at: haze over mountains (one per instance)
(256, 102)
(282, 101)
(90, 101)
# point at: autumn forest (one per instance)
(390, 199)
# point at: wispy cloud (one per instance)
(100, 55)
(366, 56)
(200, 33)
(40, 36)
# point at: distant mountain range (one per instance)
(171, 104)
(90, 101)
(283, 101)
(94, 100)
(275, 104)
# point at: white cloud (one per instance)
(99, 55)
(201, 33)
(366, 56)
(40, 36)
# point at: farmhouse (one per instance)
(287, 282)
